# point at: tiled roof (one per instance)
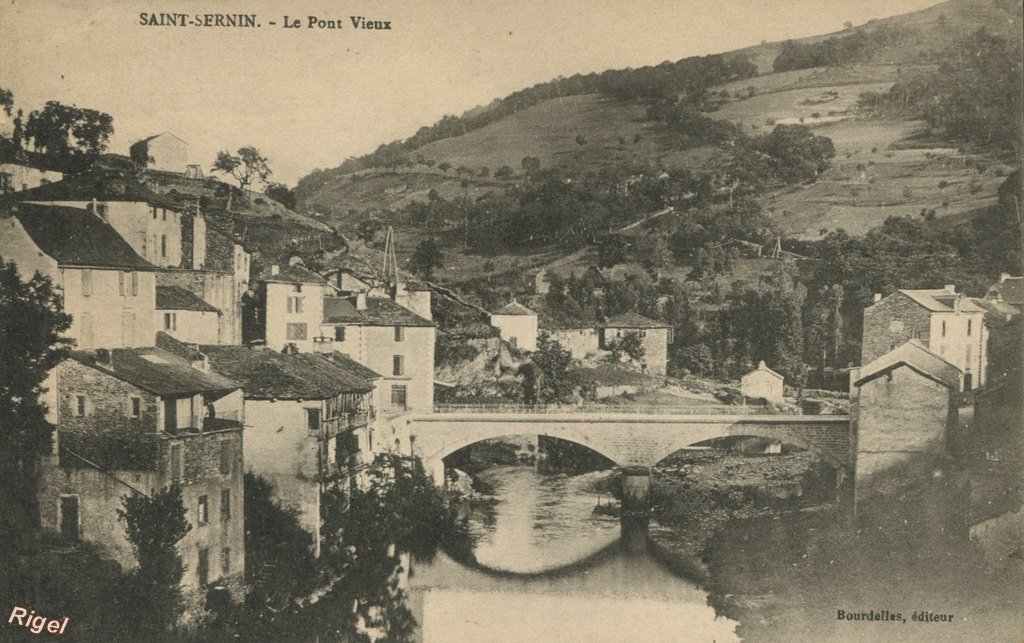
(354, 367)
(156, 370)
(102, 186)
(177, 298)
(940, 300)
(1011, 289)
(996, 310)
(378, 312)
(632, 320)
(75, 237)
(267, 374)
(514, 308)
(916, 356)
(297, 274)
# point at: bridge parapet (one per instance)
(628, 439)
(589, 409)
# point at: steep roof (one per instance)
(267, 374)
(1010, 289)
(916, 356)
(75, 237)
(378, 312)
(177, 298)
(514, 308)
(297, 274)
(940, 300)
(632, 320)
(996, 309)
(354, 367)
(763, 368)
(156, 370)
(100, 185)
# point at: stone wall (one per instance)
(580, 342)
(890, 323)
(900, 417)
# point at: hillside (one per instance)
(875, 174)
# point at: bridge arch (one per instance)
(741, 430)
(577, 437)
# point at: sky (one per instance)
(310, 98)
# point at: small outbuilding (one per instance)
(762, 382)
(517, 325)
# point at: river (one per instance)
(547, 569)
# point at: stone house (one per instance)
(149, 222)
(166, 151)
(292, 306)
(310, 422)
(656, 336)
(134, 421)
(186, 317)
(106, 287)
(945, 321)
(903, 406)
(17, 177)
(763, 382)
(388, 339)
(517, 325)
(1009, 290)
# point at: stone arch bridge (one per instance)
(634, 441)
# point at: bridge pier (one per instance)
(636, 493)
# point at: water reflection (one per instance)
(546, 569)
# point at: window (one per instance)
(399, 334)
(86, 283)
(225, 561)
(969, 329)
(967, 357)
(943, 328)
(203, 566)
(313, 420)
(6, 185)
(339, 333)
(513, 342)
(153, 209)
(295, 304)
(176, 462)
(225, 456)
(135, 407)
(80, 406)
(203, 511)
(296, 331)
(135, 283)
(297, 288)
(163, 214)
(225, 504)
(398, 365)
(170, 321)
(163, 245)
(121, 278)
(398, 397)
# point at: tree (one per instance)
(426, 258)
(31, 324)
(611, 251)
(247, 166)
(547, 376)
(64, 131)
(631, 344)
(6, 100)
(283, 194)
(154, 525)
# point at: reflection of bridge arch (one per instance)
(628, 439)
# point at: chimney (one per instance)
(878, 297)
(950, 288)
(274, 269)
(956, 303)
(361, 301)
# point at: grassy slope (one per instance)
(872, 178)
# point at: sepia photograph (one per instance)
(554, 321)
